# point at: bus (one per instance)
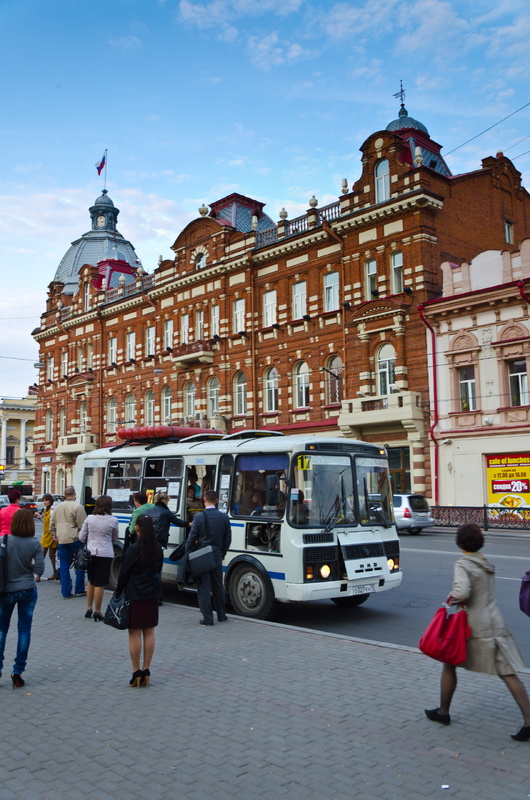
(311, 516)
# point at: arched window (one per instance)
(189, 399)
(59, 481)
(86, 296)
(82, 417)
(62, 421)
(271, 389)
(301, 385)
(213, 396)
(130, 410)
(333, 380)
(386, 368)
(48, 426)
(240, 394)
(149, 408)
(382, 181)
(111, 415)
(167, 405)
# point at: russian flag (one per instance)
(101, 164)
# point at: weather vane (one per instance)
(401, 93)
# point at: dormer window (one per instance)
(200, 261)
(382, 181)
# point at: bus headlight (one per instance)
(393, 564)
(325, 571)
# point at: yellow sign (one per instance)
(508, 477)
(304, 462)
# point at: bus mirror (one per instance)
(272, 490)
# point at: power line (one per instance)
(487, 129)
(516, 143)
(14, 358)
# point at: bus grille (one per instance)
(316, 554)
(391, 548)
(317, 538)
(356, 551)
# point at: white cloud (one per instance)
(269, 51)
(126, 43)
(347, 21)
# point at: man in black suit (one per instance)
(211, 527)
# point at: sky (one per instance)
(195, 100)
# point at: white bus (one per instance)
(311, 516)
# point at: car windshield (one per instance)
(374, 490)
(321, 491)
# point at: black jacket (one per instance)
(215, 530)
(139, 583)
(162, 519)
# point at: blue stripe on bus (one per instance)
(279, 576)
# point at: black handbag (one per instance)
(178, 552)
(117, 613)
(82, 558)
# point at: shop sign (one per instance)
(508, 477)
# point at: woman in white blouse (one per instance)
(99, 531)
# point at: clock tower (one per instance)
(104, 214)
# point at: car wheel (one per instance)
(250, 592)
(414, 531)
(351, 602)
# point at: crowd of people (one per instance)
(491, 648)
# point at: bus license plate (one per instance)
(363, 589)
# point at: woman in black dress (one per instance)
(139, 579)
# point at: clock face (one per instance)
(101, 221)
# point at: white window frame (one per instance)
(331, 291)
(214, 320)
(334, 366)
(240, 394)
(239, 314)
(150, 340)
(167, 405)
(468, 388)
(112, 415)
(130, 409)
(49, 368)
(509, 235)
(48, 425)
(386, 368)
(299, 299)
(370, 268)
(149, 407)
(301, 385)
(382, 181)
(269, 308)
(83, 419)
(184, 328)
(518, 382)
(168, 334)
(113, 350)
(214, 390)
(64, 362)
(271, 390)
(396, 268)
(130, 347)
(62, 421)
(86, 296)
(199, 325)
(188, 395)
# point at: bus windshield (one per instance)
(321, 491)
(374, 491)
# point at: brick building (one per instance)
(308, 324)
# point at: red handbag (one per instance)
(446, 636)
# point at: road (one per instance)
(400, 616)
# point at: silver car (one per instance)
(412, 513)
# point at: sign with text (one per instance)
(508, 476)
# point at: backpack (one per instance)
(524, 594)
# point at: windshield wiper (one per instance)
(373, 507)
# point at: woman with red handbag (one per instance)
(491, 648)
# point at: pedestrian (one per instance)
(65, 525)
(139, 580)
(90, 501)
(24, 560)
(48, 543)
(491, 648)
(140, 507)
(162, 519)
(211, 527)
(7, 513)
(99, 530)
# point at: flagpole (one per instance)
(106, 162)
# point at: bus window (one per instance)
(374, 491)
(93, 479)
(123, 478)
(164, 475)
(225, 471)
(252, 493)
(321, 491)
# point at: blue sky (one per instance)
(194, 100)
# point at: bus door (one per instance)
(164, 475)
(92, 480)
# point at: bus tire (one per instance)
(250, 591)
(351, 602)
(115, 568)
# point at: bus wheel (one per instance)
(350, 602)
(115, 570)
(251, 593)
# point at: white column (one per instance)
(3, 443)
(22, 458)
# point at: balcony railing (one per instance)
(298, 225)
(268, 236)
(201, 351)
(128, 289)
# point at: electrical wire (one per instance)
(487, 129)
(14, 358)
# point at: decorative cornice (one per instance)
(414, 200)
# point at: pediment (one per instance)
(378, 308)
(197, 231)
(80, 378)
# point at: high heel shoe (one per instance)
(145, 677)
(522, 735)
(434, 715)
(18, 680)
(136, 679)
(88, 613)
(97, 617)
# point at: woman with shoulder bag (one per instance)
(491, 648)
(139, 580)
(24, 560)
(99, 530)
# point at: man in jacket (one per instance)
(141, 506)
(211, 527)
(162, 518)
(65, 525)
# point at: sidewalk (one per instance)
(244, 710)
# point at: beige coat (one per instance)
(492, 648)
(66, 521)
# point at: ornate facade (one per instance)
(308, 324)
